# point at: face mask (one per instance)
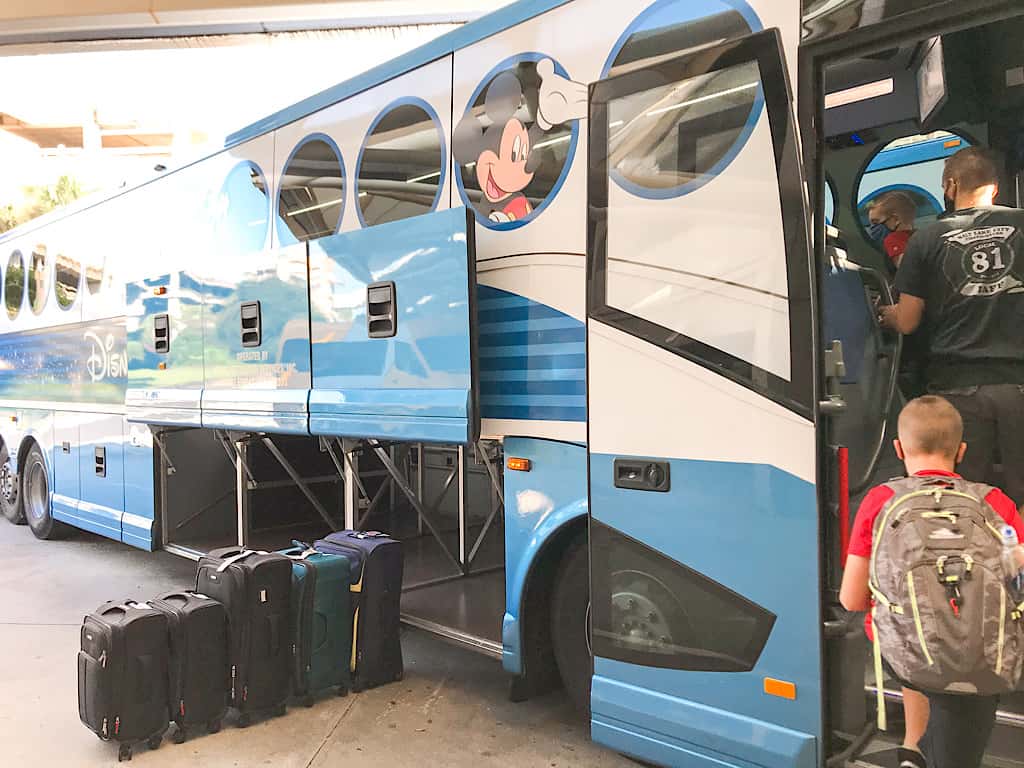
(878, 232)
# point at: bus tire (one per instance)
(570, 606)
(35, 490)
(10, 490)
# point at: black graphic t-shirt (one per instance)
(969, 268)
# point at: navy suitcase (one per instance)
(377, 594)
(122, 674)
(321, 627)
(198, 679)
(255, 589)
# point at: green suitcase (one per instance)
(321, 622)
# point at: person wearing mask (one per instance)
(962, 277)
(891, 218)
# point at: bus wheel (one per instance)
(10, 496)
(570, 608)
(35, 490)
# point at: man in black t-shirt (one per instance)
(963, 278)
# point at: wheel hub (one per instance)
(36, 492)
(8, 483)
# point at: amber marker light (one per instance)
(162, 366)
(160, 291)
(950, 143)
(519, 465)
(780, 688)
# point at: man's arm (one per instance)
(904, 316)
(854, 593)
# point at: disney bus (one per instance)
(554, 300)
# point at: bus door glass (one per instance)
(705, 618)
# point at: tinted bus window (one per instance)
(312, 196)
(69, 278)
(38, 279)
(401, 168)
(245, 215)
(14, 284)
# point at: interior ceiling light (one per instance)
(863, 92)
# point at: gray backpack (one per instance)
(944, 618)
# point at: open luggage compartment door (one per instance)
(394, 331)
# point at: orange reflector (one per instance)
(779, 688)
(951, 143)
(519, 465)
(162, 366)
(160, 291)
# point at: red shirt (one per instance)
(895, 244)
(864, 524)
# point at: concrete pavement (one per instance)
(451, 709)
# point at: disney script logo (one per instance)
(103, 361)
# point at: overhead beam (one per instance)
(49, 21)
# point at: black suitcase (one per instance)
(376, 601)
(198, 679)
(255, 588)
(122, 674)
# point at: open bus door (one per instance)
(704, 533)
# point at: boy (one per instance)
(892, 216)
(930, 444)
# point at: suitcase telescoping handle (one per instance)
(240, 556)
(307, 550)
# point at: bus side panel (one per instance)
(101, 469)
(257, 376)
(538, 504)
(137, 524)
(64, 460)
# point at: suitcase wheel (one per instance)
(154, 741)
(307, 702)
(180, 735)
(214, 726)
(124, 753)
(343, 690)
(282, 709)
(244, 720)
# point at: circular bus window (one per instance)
(14, 284)
(911, 167)
(69, 278)
(512, 160)
(673, 139)
(38, 279)
(401, 166)
(830, 202)
(311, 199)
(244, 209)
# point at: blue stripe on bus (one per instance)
(533, 336)
(573, 386)
(920, 152)
(532, 359)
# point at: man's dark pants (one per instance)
(959, 728)
(993, 417)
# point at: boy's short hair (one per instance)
(896, 203)
(930, 425)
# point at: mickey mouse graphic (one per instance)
(501, 147)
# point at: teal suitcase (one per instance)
(321, 622)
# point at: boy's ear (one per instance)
(899, 449)
(960, 452)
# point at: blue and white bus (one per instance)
(547, 299)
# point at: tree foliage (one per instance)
(38, 200)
